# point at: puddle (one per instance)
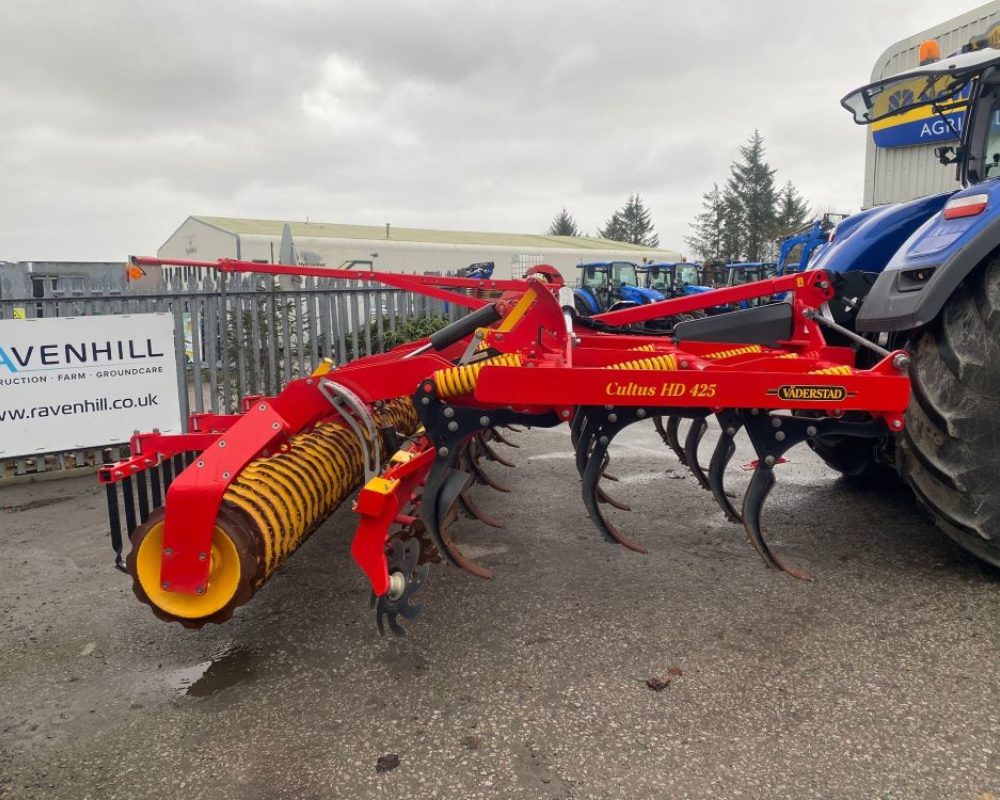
(223, 671)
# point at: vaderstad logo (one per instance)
(73, 354)
(811, 393)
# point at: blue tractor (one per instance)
(936, 292)
(610, 285)
(673, 278)
(797, 250)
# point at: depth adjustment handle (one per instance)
(460, 328)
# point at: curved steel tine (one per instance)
(592, 500)
(470, 508)
(483, 477)
(721, 456)
(577, 423)
(691, 442)
(658, 427)
(491, 454)
(604, 497)
(757, 492)
(671, 433)
(499, 437)
(438, 508)
(514, 428)
(470, 464)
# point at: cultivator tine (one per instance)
(469, 507)
(489, 452)
(671, 435)
(757, 492)
(592, 452)
(470, 462)
(592, 499)
(499, 437)
(724, 449)
(441, 494)
(691, 442)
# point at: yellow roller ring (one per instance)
(224, 574)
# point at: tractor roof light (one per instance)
(929, 52)
(968, 206)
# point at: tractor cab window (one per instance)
(623, 274)
(991, 154)
(793, 261)
(593, 278)
(659, 279)
(688, 276)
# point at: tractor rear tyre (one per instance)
(950, 451)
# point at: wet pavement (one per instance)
(879, 679)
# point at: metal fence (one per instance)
(237, 335)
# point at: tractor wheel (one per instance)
(950, 451)
(856, 459)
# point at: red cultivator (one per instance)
(240, 493)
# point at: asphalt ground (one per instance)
(878, 679)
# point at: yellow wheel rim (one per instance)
(223, 576)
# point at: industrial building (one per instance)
(899, 160)
(394, 249)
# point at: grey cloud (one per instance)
(120, 118)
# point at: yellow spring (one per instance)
(843, 369)
(665, 362)
(736, 351)
(648, 348)
(789, 355)
(462, 380)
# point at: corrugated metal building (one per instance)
(908, 168)
(395, 249)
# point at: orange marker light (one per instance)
(929, 52)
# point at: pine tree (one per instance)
(564, 225)
(731, 243)
(631, 223)
(793, 211)
(751, 183)
(709, 225)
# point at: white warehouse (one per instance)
(395, 249)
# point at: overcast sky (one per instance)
(119, 118)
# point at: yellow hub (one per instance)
(223, 576)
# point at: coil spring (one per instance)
(462, 380)
(842, 369)
(664, 362)
(736, 351)
(648, 348)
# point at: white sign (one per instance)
(70, 383)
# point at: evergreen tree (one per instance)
(631, 223)
(793, 211)
(731, 242)
(751, 183)
(564, 225)
(709, 226)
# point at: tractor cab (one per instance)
(607, 285)
(961, 91)
(749, 271)
(673, 278)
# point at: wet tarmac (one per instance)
(878, 679)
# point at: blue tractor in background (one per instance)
(673, 278)
(610, 285)
(925, 275)
(797, 250)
